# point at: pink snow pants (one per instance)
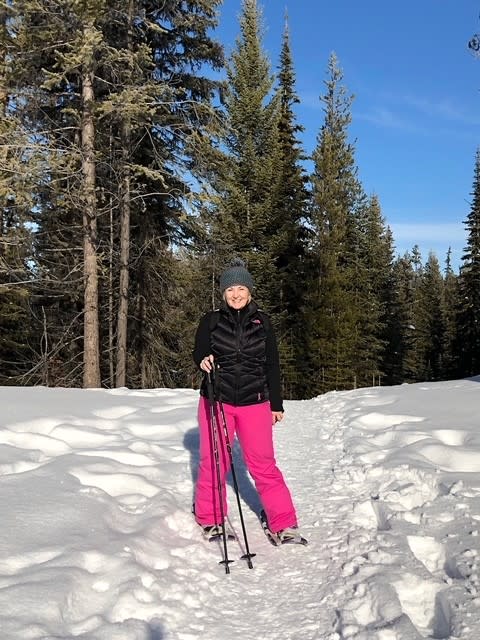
(252, 425)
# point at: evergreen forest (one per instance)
(136, 160)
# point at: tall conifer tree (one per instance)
(169, 157)
(469, 282)
(241, 220)
(371, 289)
(117, 91)
(399, 361)
(450, 307)
(417, 337)
(286, 228)
(18, 171)
(61, 91)
(430, 327)
(332, 311)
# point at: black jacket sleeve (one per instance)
(202, 339)
(273, 370)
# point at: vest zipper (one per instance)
(237, 343)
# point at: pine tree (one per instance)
(469, 283)
(399, 361)
(332, 314)
(117, 93)
(18, 164)
(260, 197)
(373, 273)
(393, 323)
(286, 229)
(15, 244)
(415, 370)
(450, 306)
(430, 322)
(240, 220)
(169, 157)
(63, 83)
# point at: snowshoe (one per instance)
(291, 535)
(215, 532)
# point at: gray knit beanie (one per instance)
(236, 274)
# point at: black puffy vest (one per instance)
(237, 340)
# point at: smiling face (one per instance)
(237, 296)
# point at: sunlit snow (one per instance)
(97, 541)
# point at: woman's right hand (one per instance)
(207, 363)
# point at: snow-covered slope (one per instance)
(97, 540)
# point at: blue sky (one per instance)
(416, 113)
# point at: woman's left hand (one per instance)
(277, 416)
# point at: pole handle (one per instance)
(210, 389)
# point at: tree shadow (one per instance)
(246, 487)
(473, 379)
(156, 630)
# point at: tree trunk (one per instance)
(3, 109)
(125, 208)
(111, 302)
(91, 348)
(122, 322)
(3, 33)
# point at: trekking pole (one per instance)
(247, 556)
(215, 439)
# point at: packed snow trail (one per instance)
(98, 543)
(289, 592)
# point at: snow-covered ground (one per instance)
(97, 540)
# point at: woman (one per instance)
(237, 343)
